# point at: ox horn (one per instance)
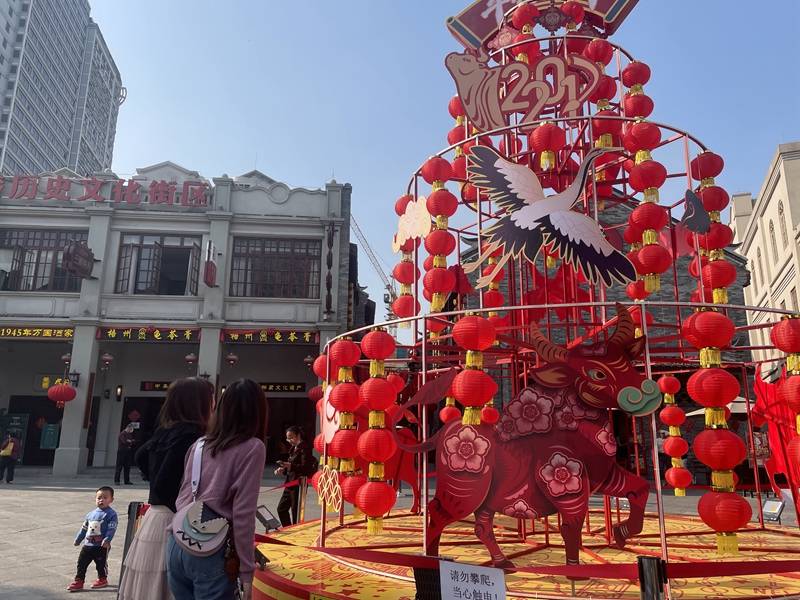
(625, 331)
(549, 351)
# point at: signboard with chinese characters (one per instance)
(148, 334)
(19, 423)
(272, 336)
(154, 386)
(283, 387)
(49, 439)
(46, 381)
(189, 194)
(36, 332)
(78, 259)
(210, 267)
(468, 582)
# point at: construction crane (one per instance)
(391, 293)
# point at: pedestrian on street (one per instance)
(664, 461)
(300, 463)
(9, 453)
(126, 441)
(96, 534)
(230, 471)
(182, 420)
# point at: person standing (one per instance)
(664, 461)
(9, 453)
(300, 463)
(96, 534)
(231, 467)
(126, 441)
(182, 421)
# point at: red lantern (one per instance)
(489, 414)
(442, 202)
(400, 205)
(439, 281)
(319, 443)
(714, 198)
(427, 264)
(473, 387)
(789, 393)
(708, 297)
(631, 235)
(454, 107)
(636, 73)
(391, 412)
(708, 329)
(641, 136)
(785, 335)
(724, 511)
(606, 89)
(524, 15)
(575, 10)
(493, 299)
(377, 445)
(351, 486)
(61, 393)
(678, 477)
(398, 382)
(599, 51)
(515, 145)
(436, 325)
(654, 259)
(459, 167)
(456, 135)
(639, 106)
(633, 256)
(719, 274)
(405, 306)
(610, 126)
(530, 49)
(648, 216)
(706, 164)
(315, 393)
(473, 332)
(377, 393)
(378, 345)
(793, 450)
(345, 443)
(315, 481)
(404, 272)
(498, 273)
(720, 449)
(345, 353)
(693, 265)
(636, 290)
(547, 139)
(375, 498)
(448, 413)
(646, 175)
(440, 241)
(496, 253)
(344, 397)
(672, 416)
(718, 237)
(436, 168)
(675, 446)
(669, 384)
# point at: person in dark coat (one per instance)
(301, 463)
(126, 441)
(9, 453)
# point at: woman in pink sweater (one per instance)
(230, 479)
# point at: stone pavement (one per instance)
(40, 516)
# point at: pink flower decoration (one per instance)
(562, 475)
(466, 450)
(565, 419)
(520, 510)
(557, 395)
(506, 427)
(580, 410)
(531, 412)
(606, 440)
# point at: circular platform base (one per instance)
(297, 571)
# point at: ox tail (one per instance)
(430, 393)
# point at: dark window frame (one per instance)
(147, 264)
(36, 264)
(276, 268)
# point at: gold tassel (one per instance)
(440, 261)
(651, 194)
(437, 302)
(793, 363)
(652, 282)
(675, 431)
(376, 419)
(459, 149)
(449, 401)
(527, 28)
(602, 67)
(441, 221)
(461, 120)
(715, 418)
(720, 295)
(636, 89)
(376, 367)
(669, 398)
(522, 57)
(797, 423)
(605, 141)
(404, 325)
(643, 156)
(551, 262)
(494, 286)
(603, 104)
(346, 420)
(680, 492)
(346, 465)
(472, 416)
(636, 246)
(547, 160)
(357, 514)
(710, 357)
(638, 332)
(405, 289)
(722, 479)
(474, 359)
(649, 237)
(333, 462)
(345, 374)
(437, 185)
(727, 543)
(677, 462)
(716, 254)
(376, 471)
(571, 26)
(601, 204)
(714, 216)
(706, 182)
(374, 525)
(600, 176)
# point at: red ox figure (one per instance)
(551, 449)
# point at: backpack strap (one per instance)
(196, 460)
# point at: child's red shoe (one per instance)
(100, 583)
(76, 586)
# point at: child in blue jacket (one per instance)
(96, 534)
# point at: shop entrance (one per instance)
(41, 411)
(283, 413)
(143, 410)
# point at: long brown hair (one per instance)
(240, 414)
(189, 400)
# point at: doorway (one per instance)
(283, 413)
(143, 410)
(41, 411)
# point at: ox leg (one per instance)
(415, 508)
(571, 528)
(622, 484)
(484, 529)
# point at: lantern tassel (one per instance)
(727, 543)
(651, 195)
(793, 363)
(722, 479)
(715, 418)
(605, 141)
(710, 357)
(680, 492)
(333, 462)
(547, 160)
(649, 237)
(472, 416)
(346, 465)
(357, 514)
(376, 368)
(345, 420)
(652, 282)
(643, 156)
(638, 332)
(675, 431)
(474, 359)
(551, 262)
(374, 525)
(376, 471)
(720, 295)
(376, 419)
(677, 462)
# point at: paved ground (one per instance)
(40, 516)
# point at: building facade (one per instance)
(61, 89)
(225, 278)
(766, 226)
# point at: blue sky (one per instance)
(357, 89)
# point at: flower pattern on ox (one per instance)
(520, 510)
(562, 475)
(565, 418)
(581, 410)
(531, 412)
(466, 450)
(506, 427)
(606, 439)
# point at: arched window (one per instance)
(760, 267)
(753, 272)
(782, 223)
(773, 243)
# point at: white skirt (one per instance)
(145, 576)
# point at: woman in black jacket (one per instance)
(182, 420)
(301, 463)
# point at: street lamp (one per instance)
(309, 361)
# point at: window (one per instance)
(753, 272)
(773, 243)
(793, 296)
(782, 222)
(760, 267)
(36, 259)
(161, 265)
(783, 304)
(276, 268)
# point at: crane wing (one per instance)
(508, 184)
(581, 243)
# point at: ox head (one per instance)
(602, 373)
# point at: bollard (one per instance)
(652, 577)
(301, 505)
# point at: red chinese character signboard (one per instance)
(78, 259)
(210, 268)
